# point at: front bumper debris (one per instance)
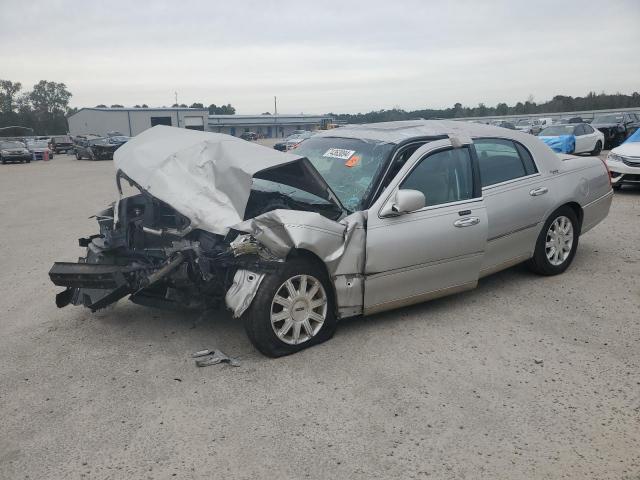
(214, 357)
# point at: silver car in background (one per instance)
(356, 221)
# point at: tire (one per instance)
(550, 262)
(78, 156)
(596, 151)
(260, 327)
(28, 161)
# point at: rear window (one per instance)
(557, 130)
(502, 160)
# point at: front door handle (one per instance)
(538, 191)
(467, 222)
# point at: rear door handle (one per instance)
(467, 222)
(538, 191)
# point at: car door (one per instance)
(516, 197)
(436, 249)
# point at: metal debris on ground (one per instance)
(214, 357)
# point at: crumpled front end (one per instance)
(182, 241)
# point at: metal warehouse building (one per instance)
(131, 121)
(269, 126)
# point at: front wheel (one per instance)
(557, 243)
(596, 151)
(78, 157)
(293, 309)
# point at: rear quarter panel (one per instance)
(572, 179)
(585, 181)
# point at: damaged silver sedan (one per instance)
(355, 221)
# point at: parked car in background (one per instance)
(624, 162)
(539, 124)
(61, 143)
(292, 141)
(524, 125)
(357, 221)
(504, 124)
(573, 138)
(94, 148)
(37, 148)
(249, 136)
(565, 120)
(14, 151)
(616, 127)
(118, 140)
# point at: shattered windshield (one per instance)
(348, 165)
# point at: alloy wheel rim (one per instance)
(559, 240)
(298, 309)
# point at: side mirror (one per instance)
(404, 201)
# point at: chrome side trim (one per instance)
(513, 231)
(423, 265)
(608, 194)
(513, 180)
(422, 297)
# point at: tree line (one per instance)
(43, 109)
(227, 109)
(559, 103)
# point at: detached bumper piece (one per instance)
(92, 285)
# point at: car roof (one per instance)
(397, 132)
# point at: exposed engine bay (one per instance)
(146, 249)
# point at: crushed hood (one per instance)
(207, 176)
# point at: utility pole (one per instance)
(275, 113)
(176, 94)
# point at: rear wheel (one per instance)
(596, 151)
(557, 243)
(293, 309)
(78, 157)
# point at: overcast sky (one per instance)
(318, 57)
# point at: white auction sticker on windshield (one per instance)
(340, 153)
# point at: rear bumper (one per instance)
(16, 158)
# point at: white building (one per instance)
(131, 121)
(269, 126)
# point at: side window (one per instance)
(502, 160)
(587, 129)
(579, 130)
(445, 176)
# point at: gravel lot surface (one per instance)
(522, 378)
